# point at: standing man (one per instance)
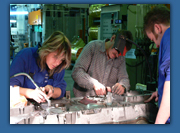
(157, 28)
(102, 64)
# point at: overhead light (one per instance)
(19, 13)
(13, 21)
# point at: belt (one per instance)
(76, 86)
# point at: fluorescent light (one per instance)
(19, 13)
(13, 21)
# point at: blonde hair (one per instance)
(56, 42)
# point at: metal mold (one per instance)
(60, 106)
(76, 108)
(139, 120)
(98, 99)
(95, 105)
(127, 109)
(136, 96)
(53, 110)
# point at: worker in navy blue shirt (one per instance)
(46, 65)
(157, 28)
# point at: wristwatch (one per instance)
(53, 90)
(124, 88)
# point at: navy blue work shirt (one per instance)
(164, 64)
(26, 61)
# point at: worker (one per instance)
(101, 66)
(46, 65)
(157, 28)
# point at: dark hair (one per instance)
(158, 15)
(107, 40)
(128, 35)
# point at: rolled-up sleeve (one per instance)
(79, 72)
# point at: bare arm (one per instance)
(35, 94)
(53, 92)
(164, 110)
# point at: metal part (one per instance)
(109, 98)
(68, 94)
(123, 110)
(135, 96)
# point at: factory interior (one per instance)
(83, 23)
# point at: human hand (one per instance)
(49, 90)
(118, 89)
(108, 89)
(100, 89)
(154, 95)
(37, 95)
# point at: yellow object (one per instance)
(34, 17)
(93, 33)
(16, 100)
(95, 10)
(25, 45)
(75, 52)
(21, 102)
(76, 48)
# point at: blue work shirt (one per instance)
(164, 64)
(26, 61)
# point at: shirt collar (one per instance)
(102, 48)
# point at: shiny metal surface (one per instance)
(53, 110)
(126, 109)
(133, 96)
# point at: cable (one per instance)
(144, 55)
(18, 74)
(136, 64)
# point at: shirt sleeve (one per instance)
(19, 65)
(79, 72)
(58, 81)
(122, 75)
(165, 66)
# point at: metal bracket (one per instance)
(68, 95)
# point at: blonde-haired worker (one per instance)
(46, 65)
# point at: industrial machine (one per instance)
(76, 47)
(113, 17)
(110, 109)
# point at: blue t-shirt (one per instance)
(26, 61)
(164, 64)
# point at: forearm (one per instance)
(27, 92)
(125, 83)
(57, 92)
(24, 91)
(164, 109)
(83, 79)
